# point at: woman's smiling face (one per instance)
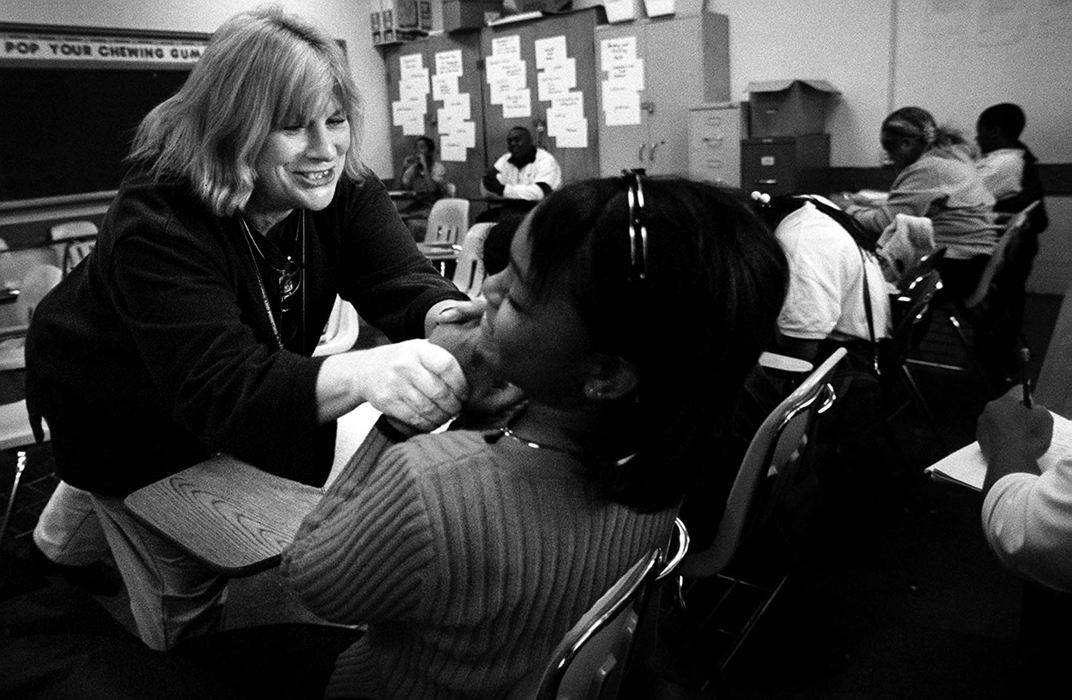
(300, 165)
(538, 342)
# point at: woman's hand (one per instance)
(414, 382)
(490, 399)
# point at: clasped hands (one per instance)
(491, 182)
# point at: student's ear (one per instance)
(611, 377)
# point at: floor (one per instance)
(884, 600)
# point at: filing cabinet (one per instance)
(780, 164)
(715, 144)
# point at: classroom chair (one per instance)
(765, 477)
(37, 282)
(469, 271)
(341, 331)
(592, 659)
(972, 310)
(77, 239)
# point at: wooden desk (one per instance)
(233, 517)
(237, 519)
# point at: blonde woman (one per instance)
(189, 330)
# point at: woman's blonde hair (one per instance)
(261, 70)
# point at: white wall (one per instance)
(952, 57)
(844, 41)
(345, 19)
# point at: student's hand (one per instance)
(842, 199)
(415, 382)
(1012, 436)
(491, 182)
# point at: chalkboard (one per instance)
(67, 130)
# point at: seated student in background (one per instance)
(426, 177)
(837, 293)
(525, 174)
(1010, 172)
(1008, 167)
(470, 554)
(936, 179)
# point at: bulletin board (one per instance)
(72, 98)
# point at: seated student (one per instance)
(470, 554)
(1009, 170)
(1008, 167)
(1027, 522)
(936, 179)
(837, 293)
(426, 177)
(525, 174)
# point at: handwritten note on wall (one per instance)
(411, 107)
(622, 82)
(457, 130)
(556, 82)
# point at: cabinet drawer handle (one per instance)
(766, 182)
(640, 153)
(709, 139)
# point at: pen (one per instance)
(1025, 381)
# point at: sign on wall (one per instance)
(66, 47)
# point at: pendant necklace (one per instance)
(290, 275)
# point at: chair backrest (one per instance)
(77, 238)
(1008, 240)
(778, 440)
(593, 656)
(469, 270)
(37, 283)
(447, 221)
(341, 331)
(915, 302)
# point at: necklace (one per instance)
(505, 431)
(289, 275)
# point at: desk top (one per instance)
(240, 517)
(237, 519)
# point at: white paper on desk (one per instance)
(967, 466)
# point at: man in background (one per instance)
(524, 175)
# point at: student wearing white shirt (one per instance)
(525, 171)
(1009, 170)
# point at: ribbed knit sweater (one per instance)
(467, 560)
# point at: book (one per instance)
(967, 466)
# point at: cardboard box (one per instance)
(791, 107)
(424, 15)
(469, 14)
(387, 20)
(377, 33)
(406, 17)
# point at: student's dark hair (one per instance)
(428, 142)
(918, 123)
(1007, 117)
(496, 255)
(694, 326)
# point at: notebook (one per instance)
(967, 466)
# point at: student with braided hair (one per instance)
(937, 179)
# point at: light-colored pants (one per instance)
(67, 531)
(172, 595)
